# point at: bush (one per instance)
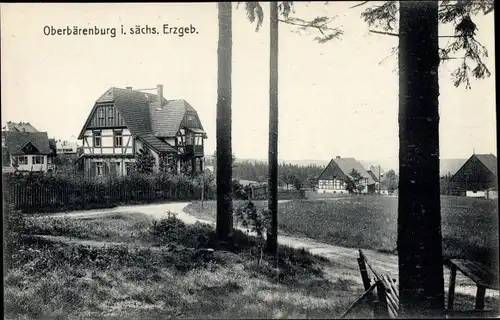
(173, 231)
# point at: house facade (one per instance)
(28, 151)
(336, 175)
(476, 177)
(125, 124)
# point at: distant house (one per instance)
(380, 187)
(28, 151)
(125, 122)
(66, 147)
(337, 173)
(19, 127)
(475, 177)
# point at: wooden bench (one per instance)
(386, 303)
(483, 277)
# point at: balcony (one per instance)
(196, 150)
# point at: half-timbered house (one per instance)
(475, 177)
(335, 177)
(126, 122)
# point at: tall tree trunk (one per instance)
(224, 227)
(419, 217)
(272, 237)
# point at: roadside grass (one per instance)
(46, 279)
(469, 226)
(119, 227)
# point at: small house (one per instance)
(29, 151)
(337, 174)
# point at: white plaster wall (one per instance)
(31, 166)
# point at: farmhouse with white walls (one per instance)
(126, 122)
(337, 173)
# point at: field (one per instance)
(127, 266)
(469, 226)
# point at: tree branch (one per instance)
(385, 33)
(397, 35)
(359, 4)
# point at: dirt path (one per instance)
(341, 256)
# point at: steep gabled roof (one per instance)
(156, 144)
(166, 121)
(16, 141)
(142, 115)
(348, 164)
(20, 127)
(372, 175)
(489, 161)
(375, 170)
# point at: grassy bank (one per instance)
(167, 279)
(469, 226)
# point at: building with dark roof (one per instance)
(28, 151)
(337, 174)
(476, 176)
(125, 122)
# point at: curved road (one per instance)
(341, 256)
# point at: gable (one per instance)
(18, 143)
(473, 170)
(105, 115)
(29, 148)
(332, 171)
(191, 121)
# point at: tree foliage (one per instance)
(144, 161)
(462, 46)
(390, 181)
(286, 10)
(354, 182)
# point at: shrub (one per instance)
(256, 221)
(173, 231)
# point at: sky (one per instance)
(335, 99)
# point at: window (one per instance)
(117, 139)
(99, 169)
(22, 160)
(101, 113)
(97, 139)
(111, 112)
(38, 160)
(189, 139)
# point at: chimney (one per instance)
(338, 157)
(129, 88)
(160, 94)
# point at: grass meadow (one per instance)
(136, 268)
(469, 226)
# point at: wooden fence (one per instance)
(260, 193)
(43, 198)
